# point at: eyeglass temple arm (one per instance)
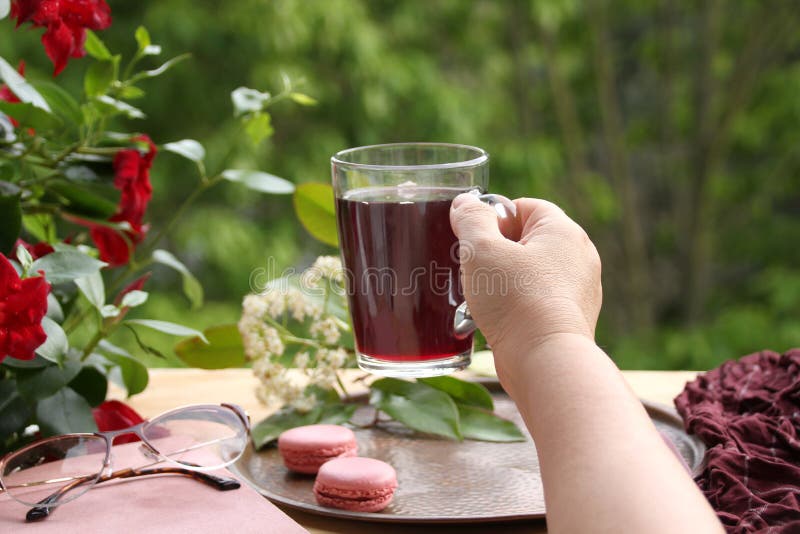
(48, 503)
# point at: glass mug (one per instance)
(400, 255)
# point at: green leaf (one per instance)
(142, 345)
(98, 78)
(133, 373)
(85, 199)
(302, 99)
(10, 218)
(258, 127)
(56, 344)
(66, 265)
(418, 406)
(191, 287)
(112, 106)
(336, 413)
(93, 289)
(463, 392)
(14, 411)
(60, 101)
(36, 363)
(20, 87)
(107, 347)
(90, 384)
(146, 48)
(142, 38)
(54, 310)
(40, 225)
(8, 169)
(133, 298)
(188, 148)
(168, 328)
(29, 115)
(259, 181)
(65, 412)
(42, 383)
(482, 425)
(7, 136)
(109, 310)
(160, 70)
(246, 100)
(224, 349)
(95, 47)
(314, 206)
(24, 258)
(270, 428)
(131, 92)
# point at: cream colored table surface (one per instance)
(169, 388)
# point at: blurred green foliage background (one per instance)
(669, 130)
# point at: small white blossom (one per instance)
(303, 403)
(326, 329)
(336, 358)
(329, 267)
(323, 376)
(254, 306)
(301, 360)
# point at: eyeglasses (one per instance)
(193, 439)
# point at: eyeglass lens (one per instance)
(206, 436)
(38, 470)
(203, 437)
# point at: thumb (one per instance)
(472, 220)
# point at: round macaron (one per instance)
(355, 484)
(305, 448)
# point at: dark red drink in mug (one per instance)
(400, 253)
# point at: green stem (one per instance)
(129, 69)
(67, 151)
(95, 151)
(97, 338)
(341, 384)
(302, 341)
(75, 319)
(179, 212)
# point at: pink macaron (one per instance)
(305, 448)
(355, 484)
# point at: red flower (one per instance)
(66, 22)
(23, 303)
(8, 96)
(132, 178)
(115, 415)
(36, 251)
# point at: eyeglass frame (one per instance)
(42, 509)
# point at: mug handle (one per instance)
(463, 324)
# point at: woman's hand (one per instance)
(541, 279)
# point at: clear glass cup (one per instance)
(400, 255)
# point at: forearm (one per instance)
(605, 467)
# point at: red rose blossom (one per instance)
(116, 415)
(132, 178)
(66, 22)
(23, 303)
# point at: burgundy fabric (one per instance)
(748, 414)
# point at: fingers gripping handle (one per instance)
(463, 324)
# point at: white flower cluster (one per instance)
(265, 331)
(326, 329)
(329, 267)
